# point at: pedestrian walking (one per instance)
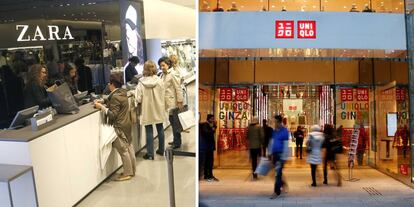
(299, 136)
(267, 135)
(333, 146)
(255, 135)
(279, 137)
(314, 145)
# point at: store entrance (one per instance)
(301, 104)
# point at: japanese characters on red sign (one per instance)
(362, 94)
(307, 29)
(347, 94)
(284, 29)
(226, 94)
(242, 94)
(292, 108)
(400, 94)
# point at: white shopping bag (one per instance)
(187, 119)
(265, 165)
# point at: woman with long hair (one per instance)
(70, 76)
(35, 91)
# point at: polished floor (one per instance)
(373, 188)
(150, 185)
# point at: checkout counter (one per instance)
(66, 156)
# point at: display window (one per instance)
(378, 6)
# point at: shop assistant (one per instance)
(35, 91)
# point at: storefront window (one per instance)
(379, 6)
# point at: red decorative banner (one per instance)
(226, 94)
(362, 94)
(285, 29)
(400, 94)
(347, 94)
(232, 139)
(242, 94)
(404, 169)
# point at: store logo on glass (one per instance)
(285, 29)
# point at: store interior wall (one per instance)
(168, 21)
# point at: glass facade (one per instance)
(379, 6)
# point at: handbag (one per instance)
(62, 99)
(308, 145)
(264, 166)
(187, 119)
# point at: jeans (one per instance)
(299, 148)
(254, 154)
(208, 164)
(150, 138)
(278, 162)
(175, 130)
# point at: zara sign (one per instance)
(51, 34)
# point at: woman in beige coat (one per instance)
(150, 93)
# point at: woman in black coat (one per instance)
(35, 90)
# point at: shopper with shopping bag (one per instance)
(117, 114)
(173, 98)
(255, 135)
(150, 94)
(279, 137)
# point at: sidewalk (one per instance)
(373, 189)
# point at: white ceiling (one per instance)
(186, 3)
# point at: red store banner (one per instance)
(307, 29)
(347, 94)
(232, 139)
(362, 94)
(400, 94)
(242, 94)
(285, 29)
(226, 94)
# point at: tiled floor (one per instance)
(150, 185)
(235, 188)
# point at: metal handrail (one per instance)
(169, 156)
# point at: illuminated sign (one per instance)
(307, 29)
(286, 29)
(52, 34)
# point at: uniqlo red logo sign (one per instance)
(293, 108)
(400, 94)
(347, 94)
(242, 94)
(307, 29)
(226, 94)
(284, 29)
(362, 94)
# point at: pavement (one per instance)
(373, 188)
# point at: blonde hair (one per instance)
(174, 60)
(150, 68)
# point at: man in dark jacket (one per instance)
(117, 115)
(255, 135)
(208, 146)
(130, 70)
(267, 135)
(85, 75)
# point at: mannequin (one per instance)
(354, 8)
(367, 9)
(218, 8)
(233, 7)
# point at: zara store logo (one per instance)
(52, 33)
(286, 29)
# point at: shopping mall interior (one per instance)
(344, 74)
(66, 158)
